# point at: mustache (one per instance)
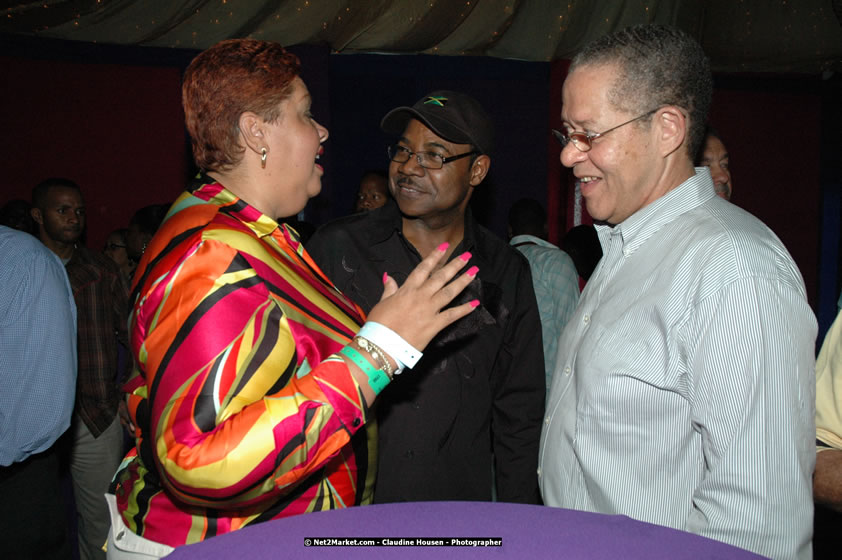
(404, 181)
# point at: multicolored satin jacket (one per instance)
(243, 411)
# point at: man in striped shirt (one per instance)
(684, 391)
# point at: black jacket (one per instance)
(478, 393)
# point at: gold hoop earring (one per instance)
(263, 158)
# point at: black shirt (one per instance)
(478, 393)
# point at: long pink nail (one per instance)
(385, 277)
(466, 256)
(474, 303)
(472, 271)
(443, 247)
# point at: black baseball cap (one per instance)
(454, 116)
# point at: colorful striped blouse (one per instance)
(244, 412)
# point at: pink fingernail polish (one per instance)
(474, 303)
(466, 256)
(472, 271)
(443, 247)
(385, 277)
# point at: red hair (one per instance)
(223, 82)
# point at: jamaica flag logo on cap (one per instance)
(436, 100)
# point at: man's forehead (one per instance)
(373, 184)
(585, 90)
(64, 195)
(426, 135)
(714, 145)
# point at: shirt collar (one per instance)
(531, 239)
(209, 191)
(640, 226)
(387, 221)
(469, 240)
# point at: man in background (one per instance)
(38, 375)
(554, 275)
(102, 304)
(373, 192)
(715, 156)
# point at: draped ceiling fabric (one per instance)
(800, 36)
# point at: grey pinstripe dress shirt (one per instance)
(684, 390)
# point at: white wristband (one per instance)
(392, 343)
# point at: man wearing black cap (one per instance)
(476, 397)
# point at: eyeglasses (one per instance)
(583, 140)
(427, 160)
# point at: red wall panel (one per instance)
(116, 130)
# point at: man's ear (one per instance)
(672, 129)
(36, 215)
(479, 169)
(252, 132)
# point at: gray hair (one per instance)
(658, 65)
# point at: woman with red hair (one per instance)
(254, 376)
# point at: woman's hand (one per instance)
(414, 310)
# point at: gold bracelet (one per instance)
(377, 354)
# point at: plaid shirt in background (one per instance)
(556, 284)
(102, 307)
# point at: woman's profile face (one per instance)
(135, 242)
(294, 146)
(115, 249)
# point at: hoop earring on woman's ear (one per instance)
(263, 158)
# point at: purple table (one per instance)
(526, 532)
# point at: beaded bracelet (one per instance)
(377, 378)
(377, 354)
